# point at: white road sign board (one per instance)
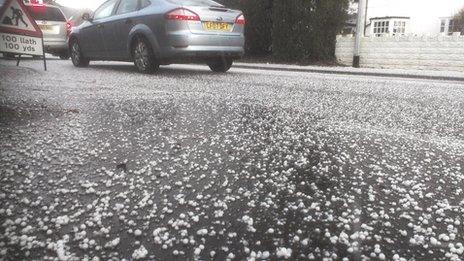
(19, 33)
(21, 44)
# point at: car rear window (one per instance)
(46, 13)
(195, 2)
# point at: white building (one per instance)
(411, 17)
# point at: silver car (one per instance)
(54, 26)
(159, 32)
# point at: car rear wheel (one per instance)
(220, 65)
(144, 59)
(9, 56)
(76, 55)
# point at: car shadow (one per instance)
(164, 70)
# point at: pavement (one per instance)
(377, 72)
(106, 163)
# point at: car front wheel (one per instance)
(220, 65)
(76, 55)
(144, 59)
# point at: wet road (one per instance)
(103, 162)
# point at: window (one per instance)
(46, 13)
(105, 10)
(127, 6)
(144, 3)
(399, 27)
(443, 25)
(381, 28)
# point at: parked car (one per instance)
(55, 28)
(159, 32)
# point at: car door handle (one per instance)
(129, 21)
(100, 26)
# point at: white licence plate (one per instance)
(51, 29)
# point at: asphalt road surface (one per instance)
(106, 163)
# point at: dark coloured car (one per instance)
(160, 32)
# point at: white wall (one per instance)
(424, 14)
(405, 52)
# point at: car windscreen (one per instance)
(46, 13)
(195, 2)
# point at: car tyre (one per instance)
(9, 56)
(144, 58)
(76, 55)
(220, 65)
(64, 56)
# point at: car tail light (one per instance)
(182, 14)
(69, 26)
(240, 20)
(36, 2)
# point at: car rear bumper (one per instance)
(203, 45)
(55, 45)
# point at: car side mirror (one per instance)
(87, 17)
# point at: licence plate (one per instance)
(217, 26)
(46, 27)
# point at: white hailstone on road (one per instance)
(283, 252)
(119, 206)
(60, 250)
(270, 231)
(249, 221)
(265, 255)
(444, 237)
(140, 253)
(305, 242)
(202, 232)
(113, 243)
(197, 251)
(62, 220)
(434, 241)
(137, 232)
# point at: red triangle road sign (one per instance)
(15, 19)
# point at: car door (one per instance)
(87, 36)
(124, 19)
(99, 25)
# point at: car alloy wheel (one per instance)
(76, 56)
(143, 57)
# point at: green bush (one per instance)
(259, 25)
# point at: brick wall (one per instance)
(405, 52)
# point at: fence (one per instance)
(405, 52)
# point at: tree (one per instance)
(459, 21)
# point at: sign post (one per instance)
(19, 33)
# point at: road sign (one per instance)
(19, 33)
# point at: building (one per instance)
(411, 17)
